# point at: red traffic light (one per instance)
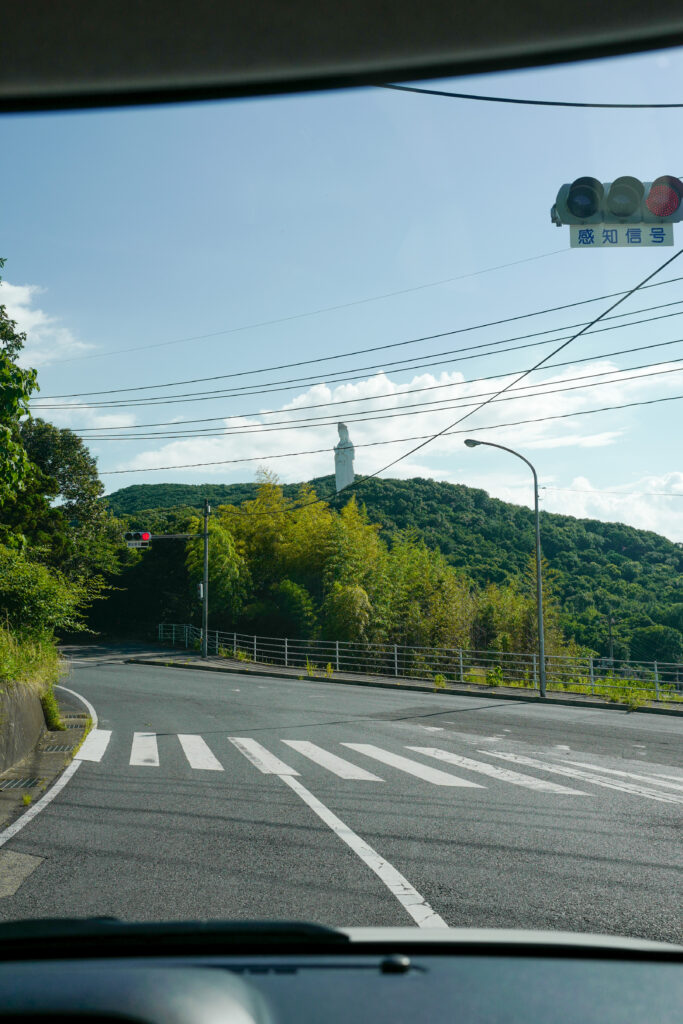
(665, 196)
(145, 536)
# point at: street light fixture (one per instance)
(471, 443)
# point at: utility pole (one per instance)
(205, 588)
(610, 621)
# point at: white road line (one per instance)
(504, 774)
(406, 764)
(431, 728)
(659, 780)
(94, 745)
(198, 754)
(400, 887)
(144, 750)
(344, 769)
(260, 757)
(15, 869)
(36, 808)
(596, 780)
(59, 785)
(88, 706)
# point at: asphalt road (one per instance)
(539, 817)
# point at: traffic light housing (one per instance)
(626, 200)
(138, 539)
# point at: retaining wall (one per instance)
(21, 723)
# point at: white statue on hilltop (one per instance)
(343, 458)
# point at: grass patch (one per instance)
(53, 719)
(30, 661)
(26, 799)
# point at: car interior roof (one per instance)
(81, 53)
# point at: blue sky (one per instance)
(127, 230)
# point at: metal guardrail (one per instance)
(443, 667)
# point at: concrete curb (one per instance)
(410, 687)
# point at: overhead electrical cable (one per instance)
(417, 409)
(530, 103)
(87, 431)
(537, 365)
(375, 348)
(619, 494)
(397, 367)
(310, 312)
(373, 444)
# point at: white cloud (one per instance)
(643, 503)
(449, 393)
(46, 338)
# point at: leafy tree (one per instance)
(34, 599)
(16, 387)
(228, 574)
(347, 612)
(657, 643)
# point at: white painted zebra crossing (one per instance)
(144, 753)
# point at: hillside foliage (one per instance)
(598, 570)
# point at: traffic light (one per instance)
(623, 201)
(139, 539)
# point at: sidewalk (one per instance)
(188, 659)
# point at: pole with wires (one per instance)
(205, 588)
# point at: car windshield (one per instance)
(340, 506)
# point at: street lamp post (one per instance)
(471, 443)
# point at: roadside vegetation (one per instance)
(59, 547)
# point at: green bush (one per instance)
(35, 599)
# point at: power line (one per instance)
(86, 431)
(621, 494)
(311, 312)
(531, 103)
(538, 364)
(397, 367)
(397, 440)
(416, 409)
(377, 348)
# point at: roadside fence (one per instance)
(630, 681)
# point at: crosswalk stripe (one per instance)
(144, 750)
(260, 757)
(406, 764)
(94, 745)
(197, 752)
(578, 773)
(492, 770)
(660, 781)
(344, 769)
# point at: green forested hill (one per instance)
(599, 568)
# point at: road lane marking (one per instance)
(36, 808)
(504, 774)
(144, 750)
(260, 757)
(58, 786)
(15, 869)
(406, 764)
(198, 754)
(660, 781)
(89, 708)
(337, 765)
(94, 745)
(596, 780)
(418, 908)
